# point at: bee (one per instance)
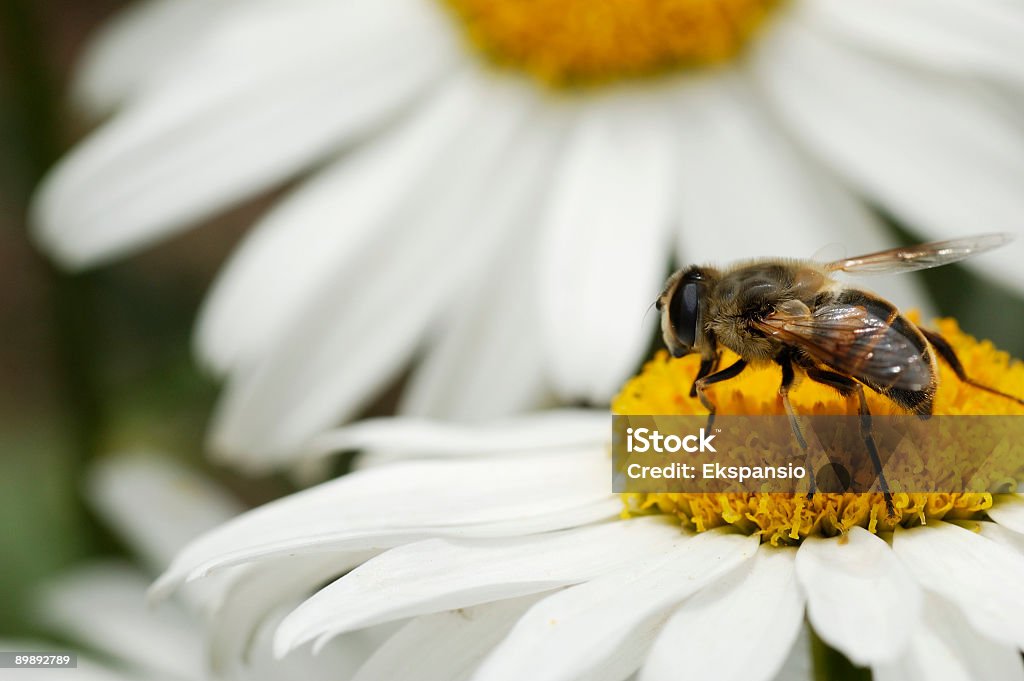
(796, 314)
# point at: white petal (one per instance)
(262, 99)
(538, 432)
(799, 664)
(741, 627)
(980, 576)
(930, 148)
(629, 655)
(487, 362)
(364, 326)
(443, 647)
(487, 355)
(103, 606)
(860, 598)
(156, 505)
(744, 182)
(997, 533)
(330, 222)
(136, 45)
(258, 590)
(395, 504)
(439, 574)
(1008, 511)
(944, 647)
(588, 630)
(338, 660)
(975, 38)
(604, 257)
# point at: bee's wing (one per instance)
(910, 258)
(856, 342)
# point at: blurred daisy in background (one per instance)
(155, 506)
(499, 189)
(508, 564)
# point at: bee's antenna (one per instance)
(647, 312)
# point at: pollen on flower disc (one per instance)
(662, 387)
(582, 42)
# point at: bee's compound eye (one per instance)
(683, 312)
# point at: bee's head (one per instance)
(682, 305)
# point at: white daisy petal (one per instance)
(799, 663)
(980, 576)
(929, 147)
(588, 629)
(1008, 511)
(960, 35)
(155, 504)
(491, 341)
(490, 497)
(944, 647)
(537, 433)
(137, 44)
(996, 533)
(228, 124)
(860, 598)
(440, 574)
(258, 590)
(338, 660)
(163, 642)
(760, 604)
(630, 653)
(605, 234)
(445, 646)
(330, 222)
(345, 347)
(738, 168)
(491, 338)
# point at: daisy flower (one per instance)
(155, 506)
(520, 564)
(470, 175)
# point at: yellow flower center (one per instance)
(582, 42)
(662, 387)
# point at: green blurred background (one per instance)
(90, 363)
(101, 362)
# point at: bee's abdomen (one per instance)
(917, 400)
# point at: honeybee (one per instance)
(795, 314)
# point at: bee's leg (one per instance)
(707, 365)
(846, 386)
(788, 377)
(731, 371)
(948, 355)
